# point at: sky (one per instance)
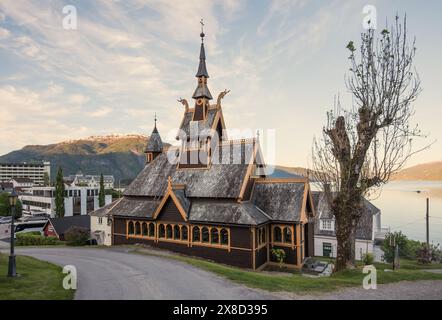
(284, 62)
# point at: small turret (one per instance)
(155, 145)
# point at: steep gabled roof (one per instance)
(178, 196)
(222, 179)
(61, 225)
(283, 200)
(229, 212)
(135, 207)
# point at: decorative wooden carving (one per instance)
(221, 96)
(184, 103)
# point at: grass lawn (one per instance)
(300, 284)
(38, 280)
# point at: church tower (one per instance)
(202, 94)
(155, 144)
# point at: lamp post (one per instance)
(11, 266)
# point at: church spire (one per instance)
(202, 69)
(201, 90)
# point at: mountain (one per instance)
(431, 171)
(120, 155)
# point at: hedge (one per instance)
(32, 239)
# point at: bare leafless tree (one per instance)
(363, 146)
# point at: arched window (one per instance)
(196, 234)
(277, 234)
(131, 228)
(144, 229)
(205, 234)
(214, 236)
(184, 233)
(224, 237)
(169, 234)
(176, 232)
(137, 228)
(151, 230)
(162, 231)
(287, 235)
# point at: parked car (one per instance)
(32, 226)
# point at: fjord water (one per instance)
(404, 208)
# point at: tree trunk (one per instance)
(346, 222)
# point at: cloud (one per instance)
(4, 33)
(101, 112)
(78, 99)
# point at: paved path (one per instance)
(110, 274)
(117, 274)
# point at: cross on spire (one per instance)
(202, 30)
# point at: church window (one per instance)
(205, 234)
(224, 236)
(196, 234)
(214, 236)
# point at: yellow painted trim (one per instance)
(170, 193)
(298, 244)
(248, 174)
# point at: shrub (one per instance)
(32, 239)
(279, 255)
(423, 254)
(76, 236)
(436, 253)
(368, 258)
(407, 248)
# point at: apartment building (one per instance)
(77, 201)
(34, 171)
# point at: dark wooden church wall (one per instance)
(236, 257)
(261, 256)
(119, 226)
(241, 237)
(240, 241)
(170, 212)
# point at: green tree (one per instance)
(101, 195)
(5, 208)
(46, 181)
(59, 194)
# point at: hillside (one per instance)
(431, 171)
(120, 155)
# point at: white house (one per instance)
(369, 233)
(92, 181)
(101, 224)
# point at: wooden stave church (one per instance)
(226, 211)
